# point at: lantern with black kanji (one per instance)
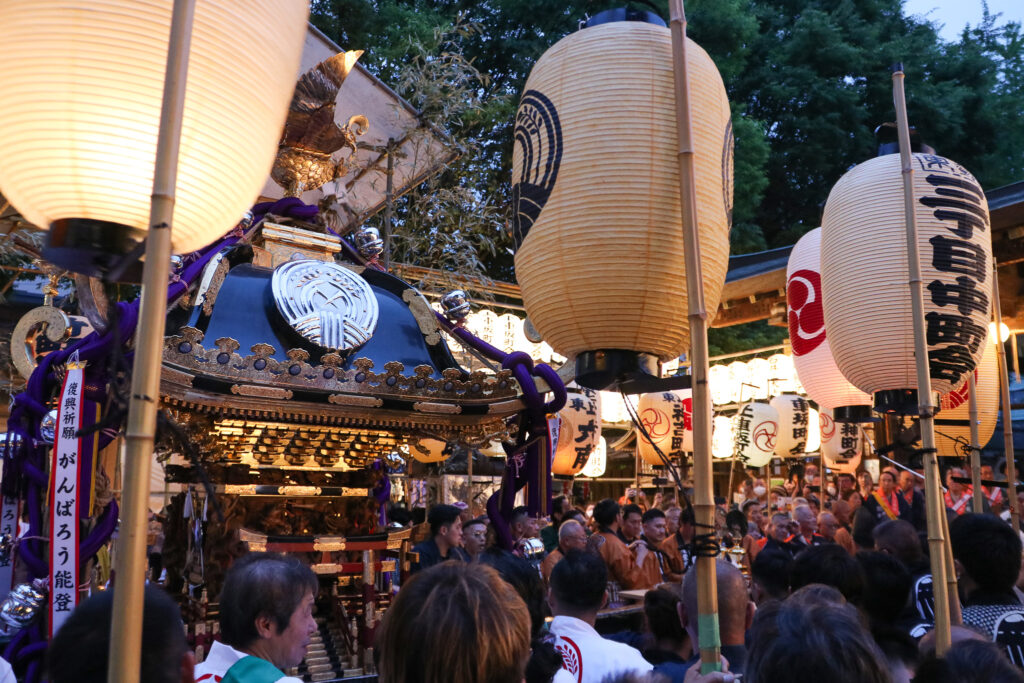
(841, 443)
(864, 276)
(952, 423)
(667, 417)
(794, 416)
(579, 431)
(756, 431)
(812, 353)
(597, 216)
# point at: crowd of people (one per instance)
(816, 580)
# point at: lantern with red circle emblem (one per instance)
(952, 424)
(667, 417)
(757, 430)
(841, 443)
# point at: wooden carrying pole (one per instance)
(704, 504)
(972, 411)
(130, 568)
(926, 409)
(1004, 391)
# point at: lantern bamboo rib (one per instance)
(933, 495)
(972, 400)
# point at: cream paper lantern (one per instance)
(613, 408)
(83, 85)
(757, 429)
(952, 423)
(864, 276)
(812, 353)
(842, 443)
(600, 245)
(430, 450)
(738, 381)
(668, 418)
(579, 431)
(794, 425)
(720, 385)
(597, 463)
(722, 437)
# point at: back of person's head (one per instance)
(736, 520)
(79, 650)
(454, 622)
(816, 594)
(988, 549)
(770, 569)
(969, 661)
(899, 538)
(442, 515)
(887, 585)
(523, 577)
(831, 565)
(262, 585)
(606, 512)
(812, 643)
(578, 583)
(899, 649)
(687, 516)
(733, 601)
(661, 608)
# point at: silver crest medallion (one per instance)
(326, 303)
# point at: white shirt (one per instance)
(221, 658)
(588, 657)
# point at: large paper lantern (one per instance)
(842, 443)
(668, 418)
(579, 431)
(812, 353)
(864, 276)
(794, 425)
(782, 375)
(597, 463)
(953, 424)
(613, 408)
(83, 84)
(738, 381)
(758, 381)
(600, 245)
(757, 429)
(813, 432)
(722, 437)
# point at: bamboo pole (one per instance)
(126, 625)
(956, 617)
(926, 408)
(1004, 390)
(704, 503)
(972, 407)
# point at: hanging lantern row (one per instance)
(758, 378)
(507, 332)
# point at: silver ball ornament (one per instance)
(368, 242)
(24, 604)
(6, 546)
(455, 305)
(48, 427)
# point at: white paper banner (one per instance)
(8, 526)
(64, 502)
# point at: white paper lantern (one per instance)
(83, 85)
(842, 443)
(597, 463)
(864, 276)
(952, 423)
(757, 429)
(794, 425)
(738, 381)
(613, 408)
(579, 430)
(722, 437)
(782, 375)
(812, 354)
(758, 379)
(720, 385)
(813, 431)
(668, 418)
